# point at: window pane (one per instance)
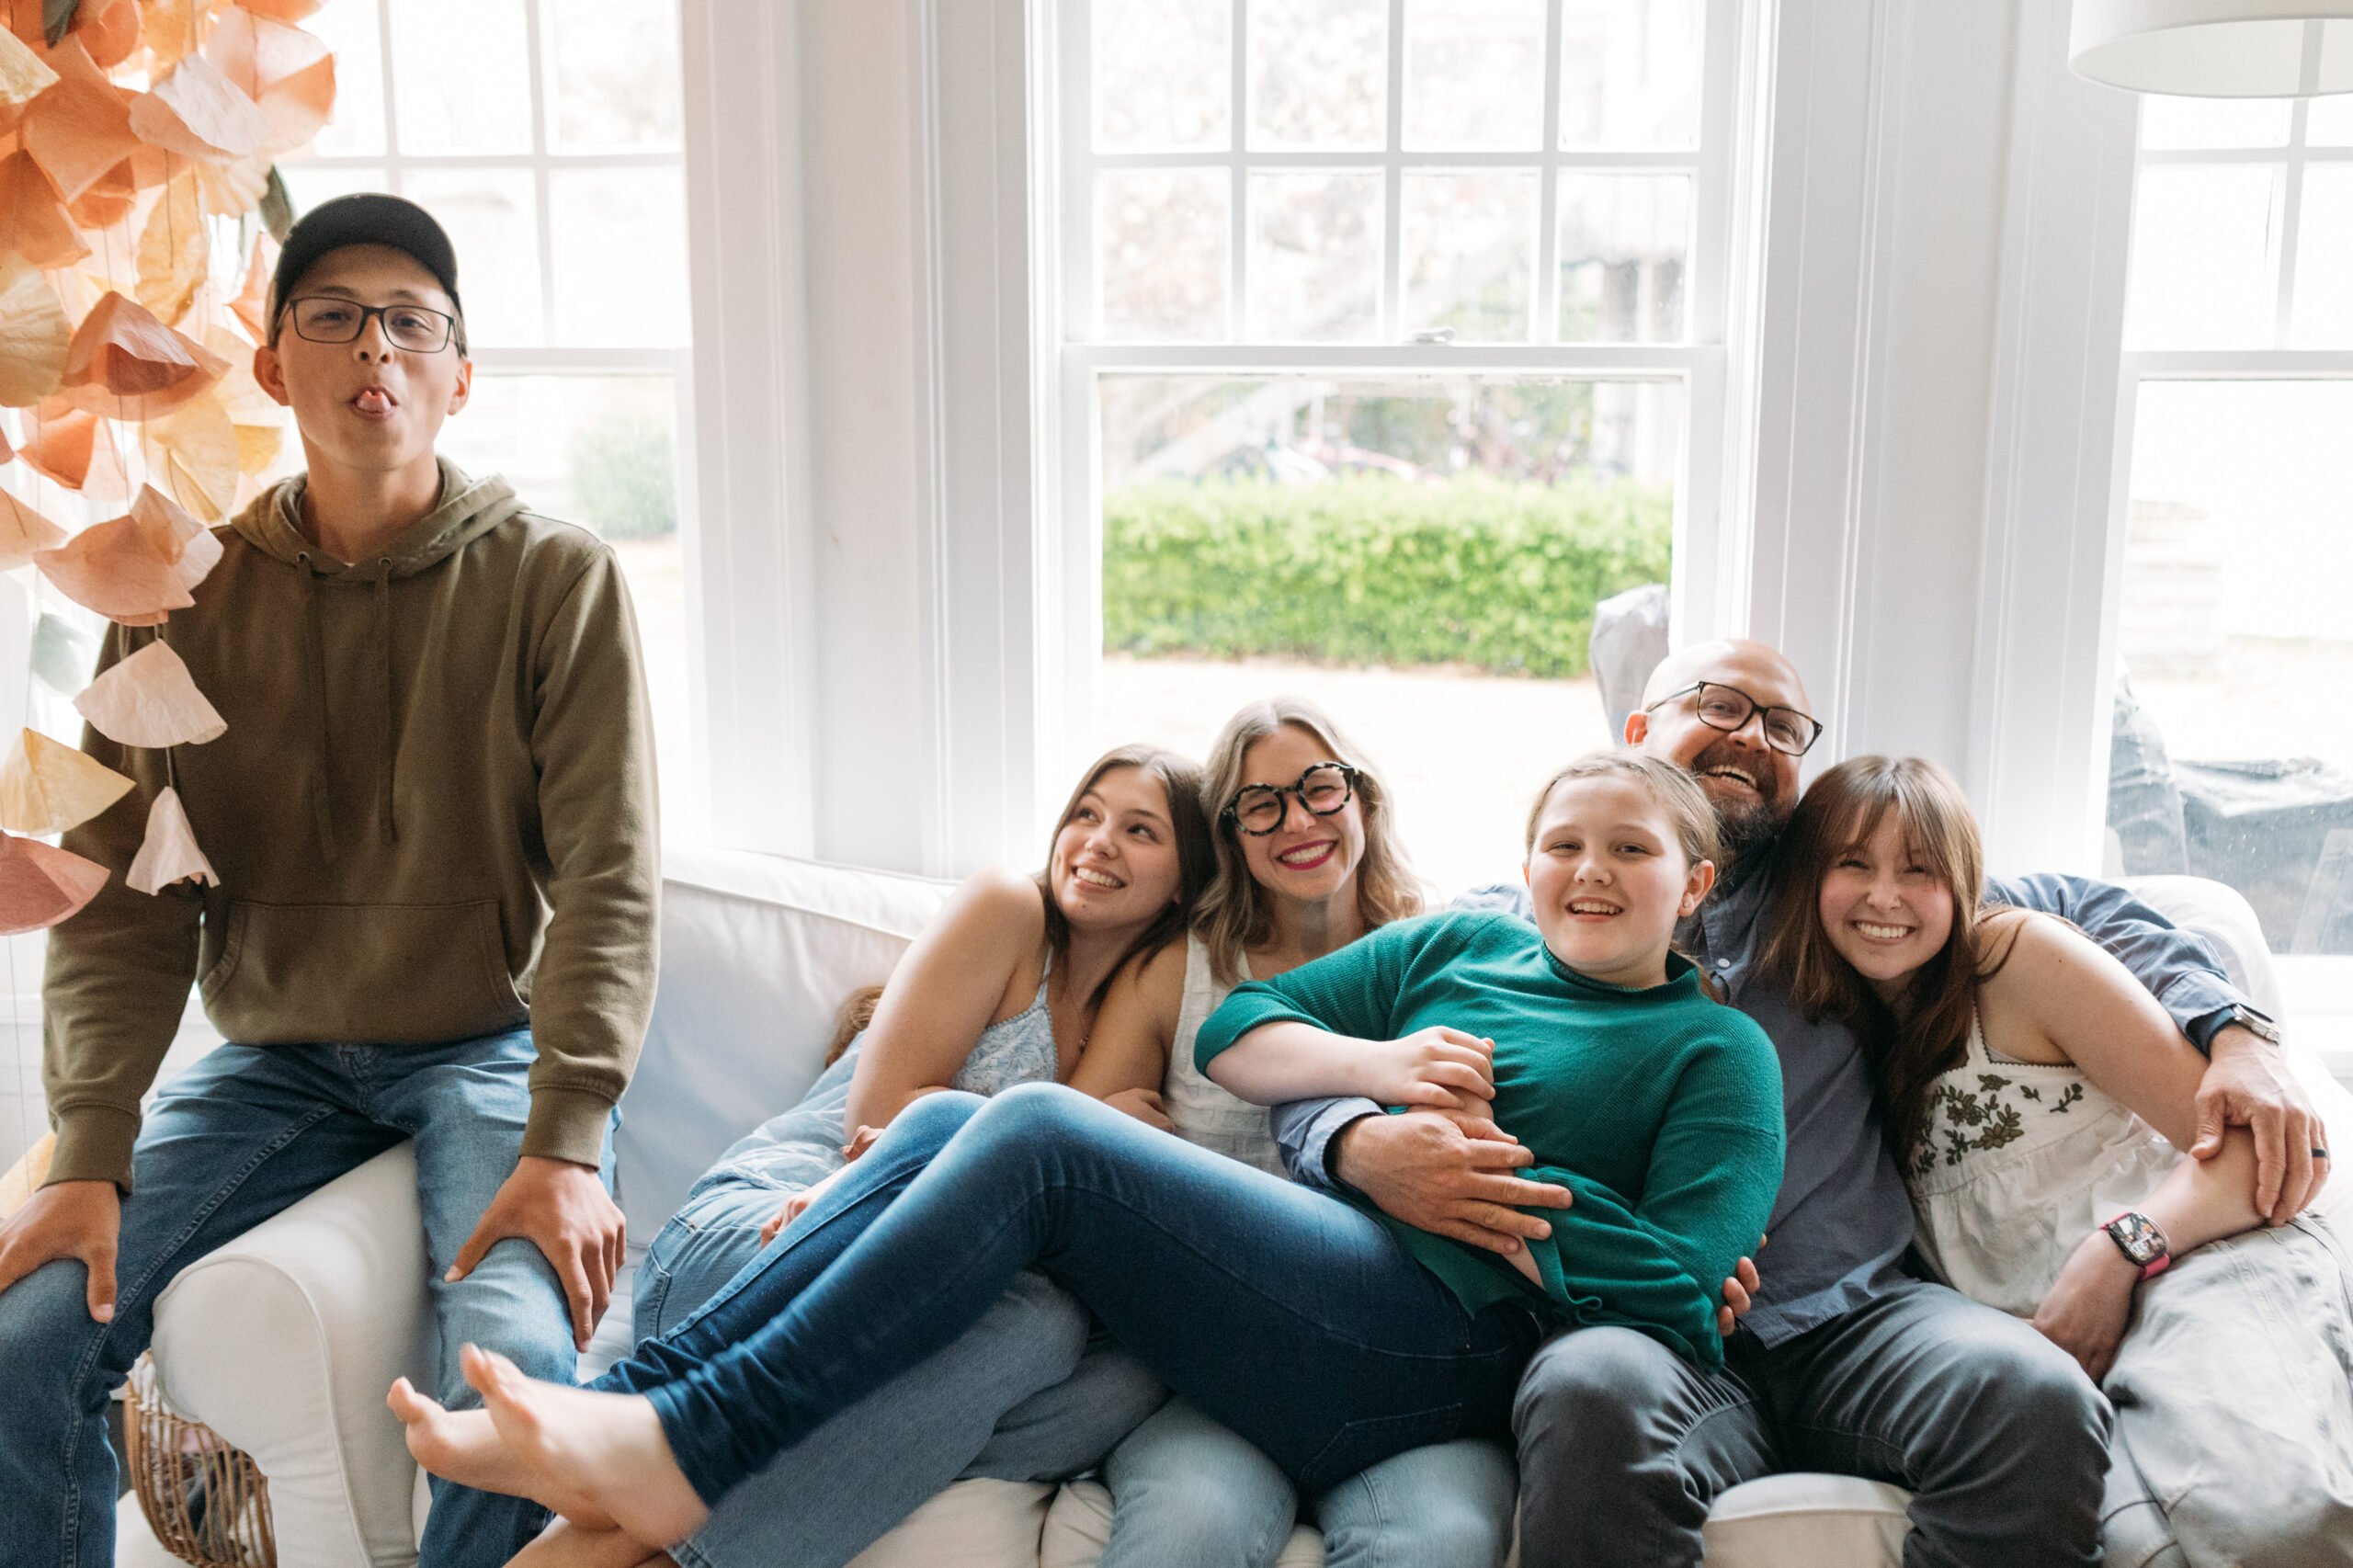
(1315, 257)
(2232, 759)
(620, 256)
(1164, 75)
(493, 219)
(601, 451)
(308, 184)
(1423, 556)
(2202, 273)
(1318, 74)
(350, 27)
(2323, 317)
(461, 71)
(1629, 72)
(1162, 264)
(1474, 73)
(2329, 121)
(1624, 244)
(1470, 255)
(2168, 122)
(613, 80)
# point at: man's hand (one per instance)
(2248, 1084)
(1446, 1173)
(1740, 1291)
(562, 1210)
(1146, 1105)
(66, 1218)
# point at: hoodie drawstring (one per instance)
(391, 708)
(315, 680)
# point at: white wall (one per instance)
(1917, 227)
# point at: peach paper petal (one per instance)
(199, 113)
(150, 700)
(34, 334)
(75, 447)
(174, 249)
(109, 29)
(169, 31)
(196, 448)
(138, 568)
(251, 307)
(24, 75)
(169, 853)
(41, 884)
(125, 364)
(288, 72)
(234, 190)
(282, 10)
(24, 533)
(108, 200)
(33, 221)
(48, 786)
(79, 131)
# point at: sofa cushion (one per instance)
(758, 953)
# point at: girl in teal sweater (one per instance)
(1330, 1337)
(1586, 1038)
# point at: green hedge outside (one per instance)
(1375, 571)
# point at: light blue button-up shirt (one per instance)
(1842, 1222)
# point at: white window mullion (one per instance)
(1548, 199)
(2291, 208)
(1392, 186)
(1081, 299)
(392, 96)
(1238, 217)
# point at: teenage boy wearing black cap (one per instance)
(433, 819)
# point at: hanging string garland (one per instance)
(130, 131)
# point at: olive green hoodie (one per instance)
(432, 816)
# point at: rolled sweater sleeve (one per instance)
(117, 974)
(1657, 1265)
(592, 739)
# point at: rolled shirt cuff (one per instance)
(568, 1124)
(93, 1144)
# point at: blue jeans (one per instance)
(1286, 1315)
(241, 1135)
(826, 1499)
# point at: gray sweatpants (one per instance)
(2234, 1395)
(1624, 1446)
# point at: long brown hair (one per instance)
(1180, 781)
(1234, 915)
(1907, 1055)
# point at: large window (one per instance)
(545, 135)
(1391, 330)
(2233, 752)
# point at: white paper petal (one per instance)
(169, 853)
(150, 700)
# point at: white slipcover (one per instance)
(284, 1341)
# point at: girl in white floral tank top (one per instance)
(2038, 1097)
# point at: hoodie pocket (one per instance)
(352, 973)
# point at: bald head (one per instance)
(1752, 787)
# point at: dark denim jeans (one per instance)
(239, 1136)
(1286, 1315)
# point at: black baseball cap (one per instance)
(367, 217)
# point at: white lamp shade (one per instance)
(2215, 49)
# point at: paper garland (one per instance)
(149, 699)
(168, 854)
(138, 568)
(48, 786)
(41, 885)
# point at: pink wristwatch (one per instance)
(2139, 1238)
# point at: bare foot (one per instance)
(568, 1545)
(603, 1448)
(465, 1446)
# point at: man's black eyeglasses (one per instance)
(1727, 708)
(324, 318)
(1258, 809)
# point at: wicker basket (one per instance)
(206, 1501)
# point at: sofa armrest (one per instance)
(284, 1342)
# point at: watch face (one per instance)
(2139, 1237)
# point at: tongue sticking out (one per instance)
(372, 401)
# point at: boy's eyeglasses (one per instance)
(323, 318)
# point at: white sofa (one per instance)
(284, 1341)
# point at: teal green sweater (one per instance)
(1659, 1109)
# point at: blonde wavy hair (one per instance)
(1233, 915)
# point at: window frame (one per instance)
(2316, 989)
(1708, 588)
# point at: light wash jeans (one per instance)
(1293, 1318)
(1065, 1399)
(243, 1134)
